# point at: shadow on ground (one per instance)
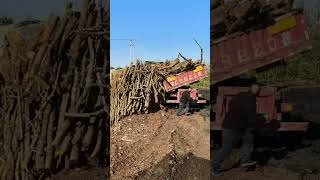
(187, 167)
(278, 145)
(294, 154)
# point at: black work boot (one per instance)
(216, 171)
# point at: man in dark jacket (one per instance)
(238, 125)
(185, 101)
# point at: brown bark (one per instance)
(49, 148)
(245, 16)
(45, 87)
(40, 154)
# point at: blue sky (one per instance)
(161, 29)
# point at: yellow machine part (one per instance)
(172, 78)
(282, 25)
(286, 107)
(199, 68)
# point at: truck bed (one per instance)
(185, 78)
(242, 52)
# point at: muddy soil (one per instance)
(161, 146)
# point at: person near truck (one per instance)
(184, 103)
(238, 125)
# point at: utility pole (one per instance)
(130, 47)
(200, 49)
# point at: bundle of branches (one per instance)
(52, 95)
(174, 67)
(139, 88)
(135, 89)
(245, 15)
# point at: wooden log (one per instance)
(40, 154)
(61, 121)
(50, 71)
(64, 147)
(97, 147)
(74, 155)
(49, 147)
(89, 134)
(243, 16)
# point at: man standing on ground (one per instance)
(185, 102)
(238, 125)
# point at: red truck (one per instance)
(174, 84)
(238, 53)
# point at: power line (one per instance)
(130, 47)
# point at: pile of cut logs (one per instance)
(229, 16)
(52, 95)
(139, 89)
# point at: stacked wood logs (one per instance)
(52, 95)
(229, 16)
(139, 89)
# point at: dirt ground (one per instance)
(297, 165)
(161, 146)
(294, 156)
(88, 173)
